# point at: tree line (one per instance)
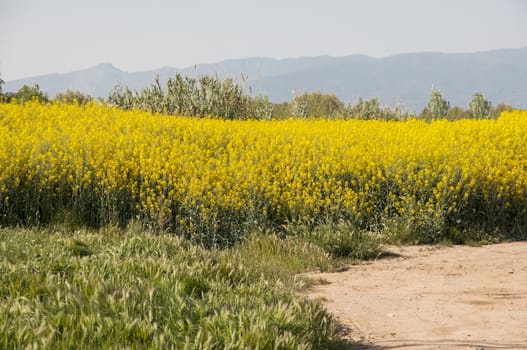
(210, 96)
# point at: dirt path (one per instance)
(434, 298)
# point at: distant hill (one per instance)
(501, 75)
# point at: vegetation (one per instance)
(264, 199)
(495, 112)
(371, 109)
(453, 113)
(437, 107)
(203, 96)
(212, 97)
(316, 105)
(479, 106)
(126, 289)
(339, 240)
(209, 96)
(213, 181)
(28, 93)
(70, 96)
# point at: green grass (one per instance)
(64, 289)
(341, 240)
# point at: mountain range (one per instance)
(501, 75)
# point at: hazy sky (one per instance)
(47, 36)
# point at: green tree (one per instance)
(457, 113)
(281, 110)
(317, 104)
(28, 93)
(437, 106)
(479, 106)
(1, 83)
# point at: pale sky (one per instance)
(56, 36)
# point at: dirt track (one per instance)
(434, 298)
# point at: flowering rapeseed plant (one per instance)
(213, 179)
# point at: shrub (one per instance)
(202, 96)
(29, 93)
(70, 96)
(316, 104)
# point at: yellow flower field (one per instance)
(215, 179)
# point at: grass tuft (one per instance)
(79, 248)
(340, 240)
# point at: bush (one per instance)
(202, 96)
(495, 112)
(261, 108)
(316, 104)
(71, 96)
(29, 93)
(281, 110)
(457, 113)
(371, 110)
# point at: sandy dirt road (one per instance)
(456, 297)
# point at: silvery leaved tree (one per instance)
(438, 106)
(479, 106)
(183, 95)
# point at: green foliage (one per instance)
(261, 108)
(329, 106)
(280, 258)
(212, 97)
(437, 107)
(202, 96)
(70, 96)
(122, 97)
(366, 110)
(79, 248)
(457, 113)
(1, 83)
(340, 240)
(152, 292)
(371, 109)
(316, 104)
(479, 106)
(196, 286)
(281, 110)
(29, 93)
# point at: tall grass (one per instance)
(127, 289)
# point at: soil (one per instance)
(429, 297)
